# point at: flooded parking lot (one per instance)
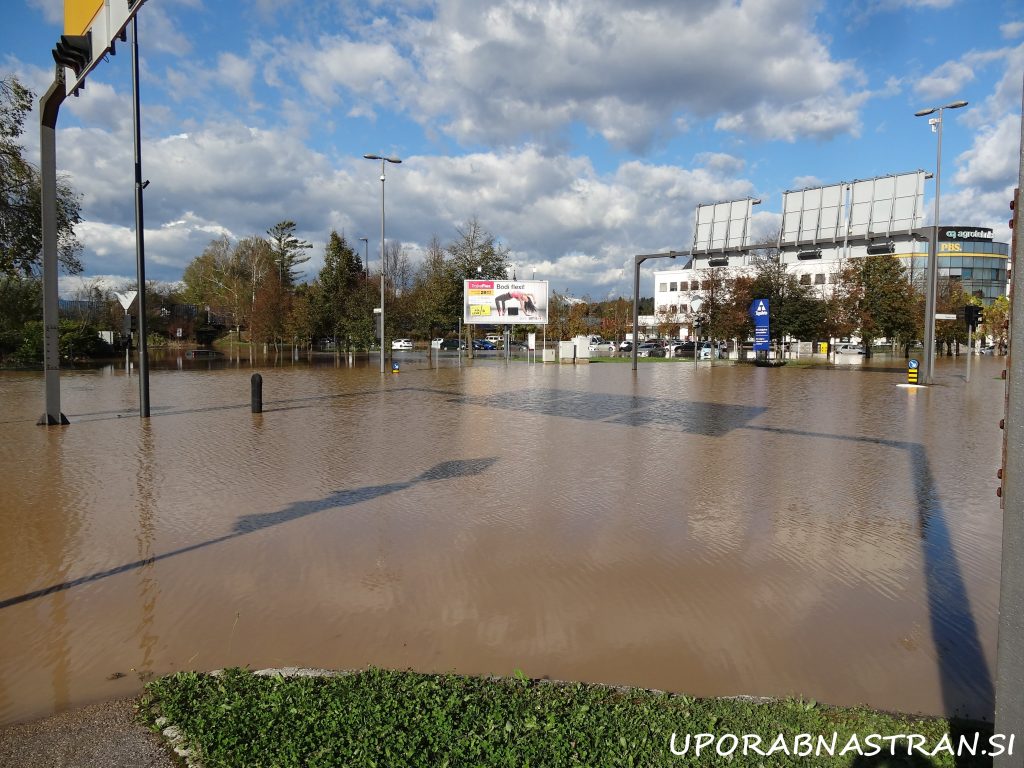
(717, 530)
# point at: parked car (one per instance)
(401, 344)
(518, 346)
(650, 350)
(849, 349)
(681, 349)
(602, 346)
(450, 344)
(483, 344)
(626, 346)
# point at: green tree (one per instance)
(21, 196)
(886, 301)
(336, 286)
(477, 254)
(286, 251)
(436, 296)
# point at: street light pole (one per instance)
(383, 160)
(637, 261)
(932, 287)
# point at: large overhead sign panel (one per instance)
(505, 302)
(90, 29)
(858, 210)
(722, 226)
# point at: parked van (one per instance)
(495, 338)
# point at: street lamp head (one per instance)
(394, 160)
(373, 157)
(951, 105)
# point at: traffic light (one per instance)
(74, 52)
(972, 315)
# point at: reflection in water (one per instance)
(716, 531)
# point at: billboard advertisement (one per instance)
(722, 226)
(863, 209)
(505, 302)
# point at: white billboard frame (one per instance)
(860, 210)
(723, 227)
(504, 302)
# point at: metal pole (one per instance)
(1010, 646)
(140, 246)
(932, 286)
(383, 261)
(49, 106)
(637, 261)
(970, 348)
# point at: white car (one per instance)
(602, 346)
(401, 344)
(849, 349)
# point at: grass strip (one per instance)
(387, 718)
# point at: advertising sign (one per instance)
(722, 226)
(759, 311)
(505, 302)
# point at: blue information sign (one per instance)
(759, 311)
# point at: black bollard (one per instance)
(257, 393)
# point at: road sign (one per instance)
(90, 29)
(945, 316)
(912, 366)
(126, 299)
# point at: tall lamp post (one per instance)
(932, 288)
(637, 261)
(383, 160)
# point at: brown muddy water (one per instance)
(719, 531)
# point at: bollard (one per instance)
(256, 385)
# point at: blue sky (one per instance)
(579, 132)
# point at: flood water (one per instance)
(715, 531)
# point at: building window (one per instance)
(673, 286)
(662, 287)
(819, 279)
(694, 286)
(805, 279)
(672, 309)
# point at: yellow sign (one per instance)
(478, 310)
(823, 347)
(79, 15)
(479, 292)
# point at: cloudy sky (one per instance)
(579, 132)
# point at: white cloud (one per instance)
(503, 71)
(1012, 29)
(52, 10)
(946, 81)
(993, 160)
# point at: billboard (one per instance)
(882, 206)
(505, 302)
(722, 226)
(90, 29)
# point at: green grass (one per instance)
(385, 718)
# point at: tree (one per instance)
(286, 250)
(476, 254)
(335, 287)
(436, 297)
(996, 322)
(887, 302)
(21, 238)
